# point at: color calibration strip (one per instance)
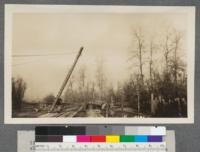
(100, 130)
(99, 138)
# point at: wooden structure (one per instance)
(66, 80)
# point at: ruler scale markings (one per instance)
(97, 147)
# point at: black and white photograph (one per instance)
(99, 64)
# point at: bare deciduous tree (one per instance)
(151, 52)
(82, 78)
(138, 51)
(100, 78)
(167, 48)
(18, 91)
(175, 60)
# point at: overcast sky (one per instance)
(104, 36)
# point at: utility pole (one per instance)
(66, 79)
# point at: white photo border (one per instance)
(10, 9)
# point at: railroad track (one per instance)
(71, 112)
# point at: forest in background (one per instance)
(160, 92)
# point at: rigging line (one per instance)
(24, 63)
(35, 60)
(53, 54)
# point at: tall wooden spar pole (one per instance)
(66, 79)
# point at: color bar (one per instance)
(92, 130)
(41, 130)
(60, 130)
(125, 138)
(41, 138)
(69, 139)
(83, 138)
(141, 138)
(112, 138)
(55, 138)
(158, 131)
(154, 138)
(49, 138)
(145, 130)
(120, 130)
(98, 138)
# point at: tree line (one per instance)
(156, 87)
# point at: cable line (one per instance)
(52, 54)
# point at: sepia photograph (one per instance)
(99, 64)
